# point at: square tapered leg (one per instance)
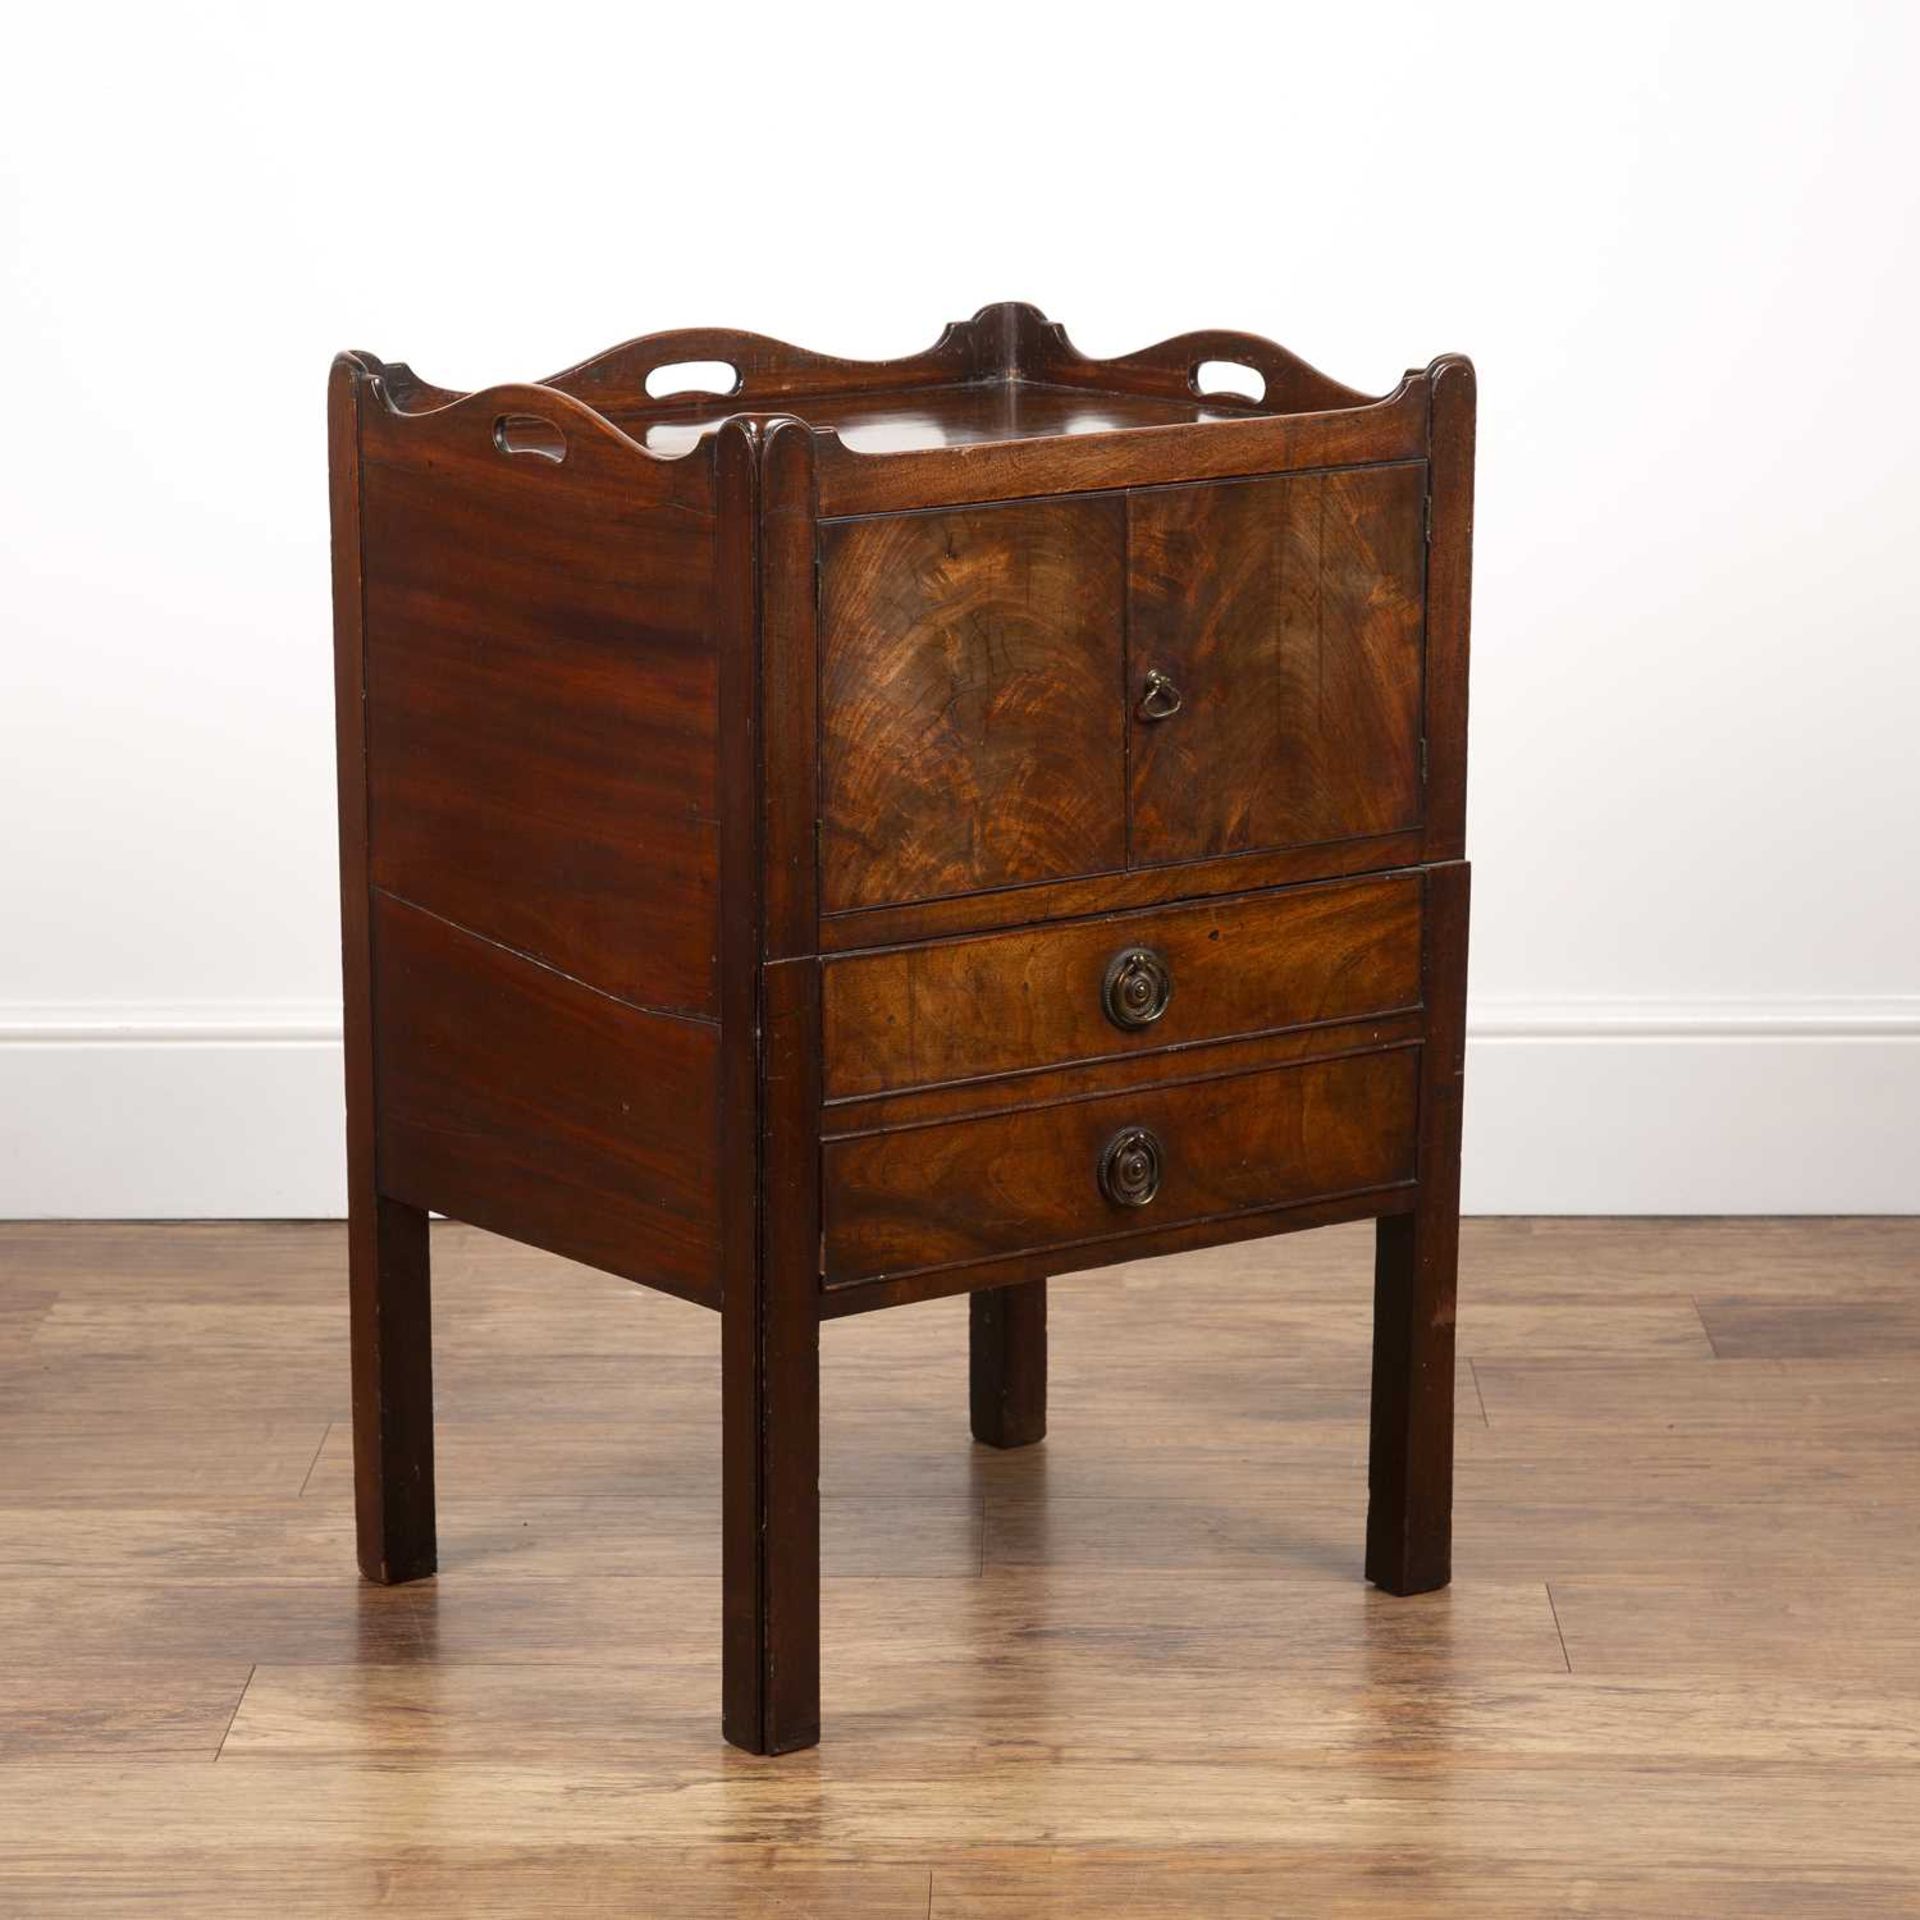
(392, 1389)
(770, 1416)
(1410, 1470)
(1416, 1263)
(1007, 1364)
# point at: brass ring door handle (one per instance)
(1161, 701)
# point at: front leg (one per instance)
(770, 1555)
(1416, 1261)
(1410, 1465)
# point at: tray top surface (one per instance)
(908, 420)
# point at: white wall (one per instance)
(1680, 242)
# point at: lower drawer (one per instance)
(956, 1191)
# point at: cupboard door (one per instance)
(972, 729)
(1275, 660)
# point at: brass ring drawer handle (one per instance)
(1161, 701)
(1130, 1167)
(1137, 988)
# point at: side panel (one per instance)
(1287, 613)
(542, 735)
(542, 697)
(519, 1100)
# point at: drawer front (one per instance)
(971, 727)
(1132, 983)
(979, 1189)
(1277, 630)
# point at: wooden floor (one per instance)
(1132, 1672)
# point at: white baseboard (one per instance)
(1786, 1106)
(171, 1113)
(1580, 1107)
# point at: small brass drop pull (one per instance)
(1161, 701)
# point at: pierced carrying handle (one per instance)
(691, 364)
(681, 378)
(529, 434)
(1161, 700)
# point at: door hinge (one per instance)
(1429, 520)
(823, 1253)
(1423, 763)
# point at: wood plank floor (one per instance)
(1131, 1672)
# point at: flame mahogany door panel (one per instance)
(973, 732)
(1285, 616)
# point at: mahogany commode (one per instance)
(898, 829)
